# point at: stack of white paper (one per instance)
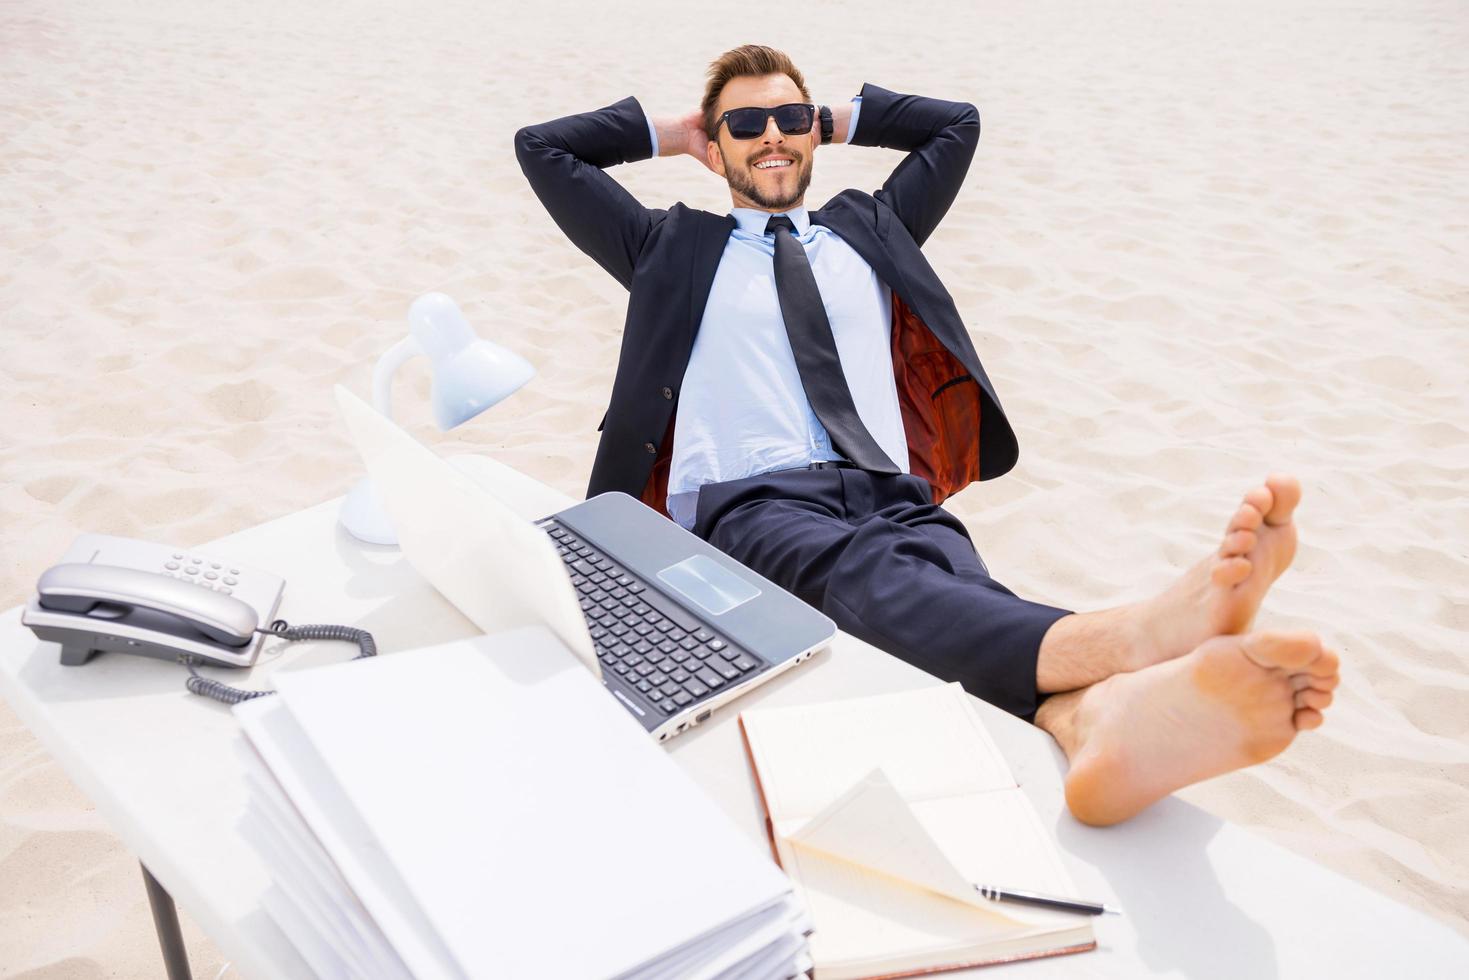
(483, 808)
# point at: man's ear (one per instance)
(716, 158)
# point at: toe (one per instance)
(1285, 491)
(1260, 498)
(1291, 651)
(1230, 572)
(1325, 667)
(1312, 698)
(1304, 680)
(1247, 518)
(1307, 718)
(1237, 543)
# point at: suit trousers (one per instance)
(873, 552)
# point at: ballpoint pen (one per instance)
(1046, 901)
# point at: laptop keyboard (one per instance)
(658, 651)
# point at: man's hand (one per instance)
(684, 134)
(697, 141)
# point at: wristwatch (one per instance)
(826, 125)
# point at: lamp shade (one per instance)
(474, 378)
(469, 374)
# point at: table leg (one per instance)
(166, 922)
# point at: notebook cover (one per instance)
(477, 709)
(923, 971)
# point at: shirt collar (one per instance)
(753, 221)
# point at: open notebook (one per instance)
(886, 811)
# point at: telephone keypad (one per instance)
(193, 573)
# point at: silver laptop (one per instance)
(674, 627)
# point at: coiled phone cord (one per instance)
(219, 691)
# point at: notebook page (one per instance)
(929, 742)
(997, 839)
(310, 923)
(308, 867)
(319, 799)
(680, 964)
(775, 962)
(324, 901)
(944, 845)
(872, 826)
(309, 926)
(323, 960)
(864, 919)
(778, 939)
(785, 961)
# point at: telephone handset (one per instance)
(108, 592)
(112, 593)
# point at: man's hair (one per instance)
(747, 59)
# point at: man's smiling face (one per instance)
(773, 186)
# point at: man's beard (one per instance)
(743, 182)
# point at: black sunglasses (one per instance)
(793, 118)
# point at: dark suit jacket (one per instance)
(956, 430)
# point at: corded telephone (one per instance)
(112, 593)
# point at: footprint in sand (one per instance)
(51, 489)
(246, 401)
(113, 363)
(305, 282)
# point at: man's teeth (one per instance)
(767, 164)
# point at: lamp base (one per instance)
(364, 516)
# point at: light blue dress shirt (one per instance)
(742, 409)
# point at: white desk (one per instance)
(1203, 899)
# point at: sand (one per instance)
(1199, 242)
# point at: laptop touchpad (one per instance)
(703, 582)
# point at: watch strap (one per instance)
(827, 126)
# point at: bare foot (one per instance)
(1234, 701)
(1222, 593)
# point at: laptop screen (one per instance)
(497, 569)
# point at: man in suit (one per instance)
(798, 388)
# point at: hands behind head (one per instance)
(697, 141)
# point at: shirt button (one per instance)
(668, 393)
(652, 449)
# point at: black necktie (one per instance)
(817, 361)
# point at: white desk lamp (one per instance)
(469, 375)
